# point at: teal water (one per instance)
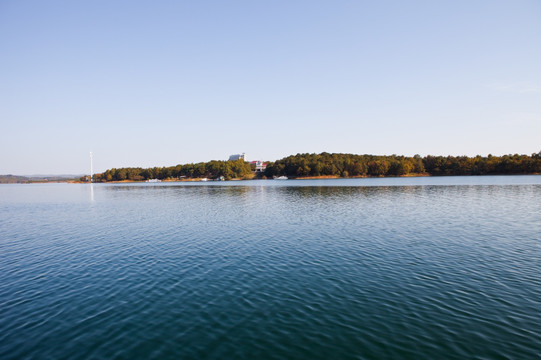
(404, 268)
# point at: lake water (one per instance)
(398, 268)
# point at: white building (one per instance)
(237, 157)
(260, 166)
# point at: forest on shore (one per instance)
(238, 169)
(349, 165)
(338, 165)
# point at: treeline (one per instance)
(212, 170)
(343, 165)
(349, 165)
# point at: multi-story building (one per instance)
(237, 157)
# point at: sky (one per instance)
(162, 83)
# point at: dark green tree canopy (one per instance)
(350, 165)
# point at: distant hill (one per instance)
(12, 179)
(16, 179)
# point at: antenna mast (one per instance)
(91, 166)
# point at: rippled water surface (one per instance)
(413, 268)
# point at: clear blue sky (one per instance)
(161, 83)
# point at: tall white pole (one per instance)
(91, 166)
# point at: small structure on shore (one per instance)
(259, 165)
(91, 171)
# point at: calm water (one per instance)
(405, 268)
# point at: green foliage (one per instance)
(343, 165)
(213, 169)
(349, 165)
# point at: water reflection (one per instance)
(312, 271)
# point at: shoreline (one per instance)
(323, 177)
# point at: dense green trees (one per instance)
(348, 165)
(212, 169)
(343, 165)
(490, 165)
